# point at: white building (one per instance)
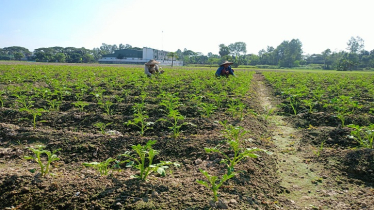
(129, 56)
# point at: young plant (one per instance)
(118, 98)
(363, 135)
(98, 93)
(320, 149)
(126, 94)
(234, 135)
(268, 111)
(24, 101)
(38, 151)
(239, 154)
(81, 105)
(34, 113)
(170, 101)
(310, 103)
(212, 182)
(218, 98)
(236, 108)
(294, 102)
(101, 126)
(232, 132)
(102, 167)
(106, 106)
(207, 108)
(140, 119)
(175, 117)
(54, 104)
(143, 160)
(1, 98)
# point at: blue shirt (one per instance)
(218, 72)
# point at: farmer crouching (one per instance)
(151, 67)
(225, 70)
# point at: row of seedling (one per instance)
(141, 158)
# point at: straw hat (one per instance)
(151, 62)
(226, 62)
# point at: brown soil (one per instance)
(294, 177)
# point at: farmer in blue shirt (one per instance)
(225, 69)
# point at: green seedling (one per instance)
(34, 113)
(98, 93)
(80, 105)
(2, 98)
(364, 135)
(320, 149)
(102, 167)
(310, 103)
(213, 183)
(294, 102)
(344, 106)
(239, 154)
(45, 93)
(140, 119)
(234, 134)
(126, 94)
(61, 92)
(118, 98)
(269, 111)
(236, 108)
(106, 106)
(54, 104)
(218, 98)
(24, 101)
(101, 126)
(175, 117)
(143, 160)
(207, 108)
(38, 151)
(170, 101)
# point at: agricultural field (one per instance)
(108, 137)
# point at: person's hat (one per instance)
(151, 62)
(226, 62)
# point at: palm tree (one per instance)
(172, 55)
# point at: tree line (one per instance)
(288, 54)
(61, 54)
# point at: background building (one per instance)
(129, 56)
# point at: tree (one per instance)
(127, 46)
(18, 56)
(75, 58)
(252, 59)
(172, 55)
(223, 50)
(238, 48)
(289, 52)
(355, 44)
(60, 57)
(213, 60)
(325, 55)
(88, 58)
(97, 53)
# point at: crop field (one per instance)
(109, 137)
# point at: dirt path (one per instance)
(305, 183)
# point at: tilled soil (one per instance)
(73, 186)
(300, 174)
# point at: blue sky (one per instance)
(198, 25)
